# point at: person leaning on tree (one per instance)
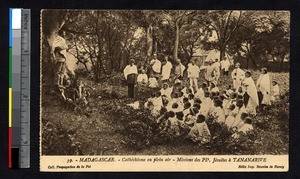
(130, 74)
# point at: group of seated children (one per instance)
(181, 110)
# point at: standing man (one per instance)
(209, 72)
(179, 69)
(155, 66)
(130, 74)
(193, 74)
(225, 64)
(216, 65)
(166, 69)
(237, 76)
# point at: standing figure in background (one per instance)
(193, 75)
(166, 69)
(264, 88)
(225, 64)
(155, 66)
(209, 72)
(216, 65)
(237, 76)
(130, 74)
(179, 69)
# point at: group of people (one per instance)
(164, 71)
(183, 108)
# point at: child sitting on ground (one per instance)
(142, 78)
(166, 90)
(218, 113)
(191, 118)
(213, 88)
(206, 104)
(153, 82)
(199, 132)
(247, 127)
(200, 93)
(174, 125)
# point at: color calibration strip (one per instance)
(19, 88)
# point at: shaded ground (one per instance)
(66, 132)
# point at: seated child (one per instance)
(218, 112)
(200, 92)
(200, 132)
(213, 88)
(166, 90)
(191, 117)
(231, 116)
(206, 104)
(174, 125)
(247, 126)
(142, 78)
(158, 103)
(186, 109)
(153, 82)
(191, 98)
(274, 91)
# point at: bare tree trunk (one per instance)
(149, 34)
(176, 43)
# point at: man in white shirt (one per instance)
(237, 76)
(130, 73)
(193, 74)
(166, 69)
(155, 66)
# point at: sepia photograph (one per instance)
(165, 83)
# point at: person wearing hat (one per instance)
(130, 74)
(155, 66)
(264, 87)
(237, 76)
(225, 64)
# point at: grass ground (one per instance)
(65, 132)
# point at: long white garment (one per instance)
(156, 65)
(237, 76)
(264, 85)
(166, 71)
(130, 69)
(252, 92)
